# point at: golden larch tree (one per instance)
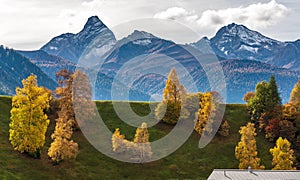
(118, 144)
(138, 150)
(173, 96)
(63, 147)
(206, 114)
(83, 104)
(64, 91)
(295, 95)
(246, 151)
(224, 129)
(29, 123)
(141, 139)
(283, 155)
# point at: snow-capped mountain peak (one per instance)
(140, 35)
(245, 35)
(239, 42)
(71, 46)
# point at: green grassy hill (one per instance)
(188, 162)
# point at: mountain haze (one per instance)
(50, 64)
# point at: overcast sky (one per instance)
(28, 24)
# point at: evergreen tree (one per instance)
(283, 155)
(173, 96)
(274, 94)
(246, 151)
(266, 104)
(29, 123)
(273, 106)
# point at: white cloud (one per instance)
(177, 13)
(260, 15)
(173, 13)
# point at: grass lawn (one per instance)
(188, 162)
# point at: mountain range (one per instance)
(140, 62)
(14, 68)
(238, 42)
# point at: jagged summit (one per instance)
(71, 46)
(234, 25)
(136, 34)
(93, 20)
(93, 23)
(203, 45)
(244, 34)
(205, 38)
(237, 29)
(236, 41)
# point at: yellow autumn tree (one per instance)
(138, 150)
(141, 139)
(82, 99)
(283, 155)
(292, 113)
(63, 147)
(173, 96)
(295, 95)
(206, 114)
(124, 147)
(118, 144)
(65, 93)
(224, 129)
(29, 123)
(246, 151)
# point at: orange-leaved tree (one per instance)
(63, 147)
